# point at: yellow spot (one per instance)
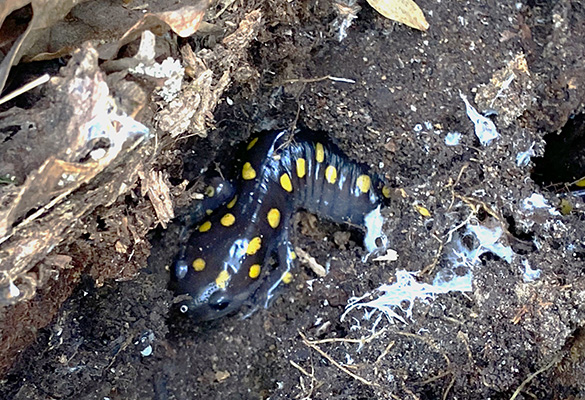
(319, 153)
(254, 271)
(222, 279)
(228, 219)
(209, 191)
(301, 167)
(580, 182)
(248, 172)
(331, 174)
(285, 182)
(273, 217)
(254, 246)
(205, 226)
(287, 277)
(199, 264)
(232, 202)
(252, 143)
(422, 211)
(293, 255)
(364, 182)
(565, 207)
(386, 192)
(208, 212)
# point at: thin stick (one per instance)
(449, 386)
(31, 85)
(322, 78)
(304, 371)
(532, 376)
(332, 361)
(360, 341)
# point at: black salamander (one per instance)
(224, 264)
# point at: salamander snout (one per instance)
(219, 301)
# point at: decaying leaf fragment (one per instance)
(44, 14)
(47, 34)
(193, 108)
(55, 149)
(403, 11)
(510, 91)
(156, 185)
(184, 22)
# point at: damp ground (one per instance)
(393, 99)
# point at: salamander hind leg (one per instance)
(375, 240)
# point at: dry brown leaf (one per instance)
(7, 7)
(45, 14)
(184, 22)
(403, 11)
(47, 31)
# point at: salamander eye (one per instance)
(219, 301)
(181, 269)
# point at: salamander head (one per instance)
(217, 275)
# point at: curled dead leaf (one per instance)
(403, 11)
(184, 22)
(44, 14)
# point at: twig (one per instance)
(304, 371)
(470, 202)
(435, 378)
(431, 267)
(311, 375)
(533, 375)
(332, 361)
(449, 386)
(293, 124)
(453, 184)
(410, 392)
(463, 337)
(31, 85)
(225, 7)
(385, 352)
(312, 80)
(361, 341)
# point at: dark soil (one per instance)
(124, 340)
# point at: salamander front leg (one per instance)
(282, 274)
(218, 192)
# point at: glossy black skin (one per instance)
(223, 247)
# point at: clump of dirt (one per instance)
(394, 100)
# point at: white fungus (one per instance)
(485, 129)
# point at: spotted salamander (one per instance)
(224, 264)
